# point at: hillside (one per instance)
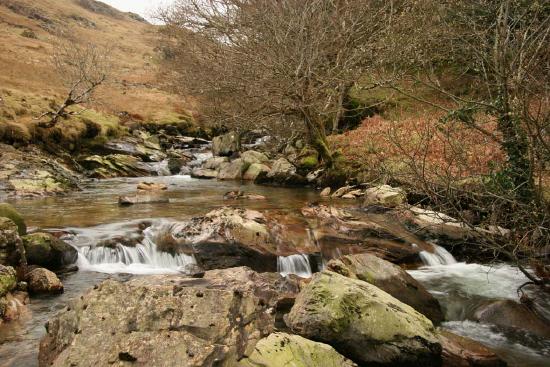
(28, 82)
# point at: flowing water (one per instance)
(112, 244)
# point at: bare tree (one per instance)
(282, 65)
(82, 69)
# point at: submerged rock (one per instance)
(165, 320)
(459, 351)
(226, 145)
(142, 199)
(151, 186)
(42, 280)
(280, 349)
(391, 279)
(45, 250)
(363, 323)
(241, 195)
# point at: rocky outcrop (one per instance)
(165, 321)
(280, 349)
(141, 145)
(459, 351)
(363, 323)
(282, 173)
(385, 196)
(391, 279)
(42, 280)
(510, 314)
(229, 237)
(45, 250)
(8, 211)
(226, 145)
(114, 165)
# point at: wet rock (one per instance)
(164, 320)
(385, 196)
(391, 279)
(8, 280)
(175, 164)
(280, 349)
(204, 173)
(142, 145)
(45, 250)
(226, 145)
(114, 165)
(353, 194)
(41, 280)
(511, 314)
(233, 171)
(9, 238)
(8, 211)
(252, 157)
(459, 351)
(363, 322)
(215, 163)
(341, 191)
(255, 170)
(151, 186)
(142, 199)
(12, 305)
(326, 192)
(241, 195)
(282, 173)
(229, 237)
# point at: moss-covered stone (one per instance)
(8, 211)
(45, 250)
(8, 279)
(363, 322)
(280, 349)
(9, 238)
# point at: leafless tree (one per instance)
(282, 65)
(82, 69)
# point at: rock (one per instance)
(229, 237)
(142, 199)
(391, 279)
(45, 250)
(114, 165)
(41, 280)
(226, 145)
(175, 164)
(314, 176)
(143, 146)
(459, 351)
(214, 163)
(280, 349)
(363, 323)
(511, 314)
(326, 192)
(8, 280)
(252, 156)
(255, 170)
(236, 195)
(385, 196)
(8, 211)
(165, 320)
(354, 194)
(12, 305)
(9, 238)
(233, 171)
(151, 186)
(204, 173)
(282, 173)
(341, 191)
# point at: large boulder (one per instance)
(45, 250)
(280, 349)
(363, 323)
(165, 320)
(114, 165)
(233, 170)
(215, 163)
(204, 173)
(142, 145)
(385, 196)
(255, 170)
(8, 279)
(42, 280)
(391, 279)
(514, 315)
(226, 145)
(459, 351)
(8, 211)
(9, 238)
(282, 173)
(229, 237)
(252, 156)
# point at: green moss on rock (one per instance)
(8, 211)
(45, 250)
(8, 279)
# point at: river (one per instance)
(92, 215)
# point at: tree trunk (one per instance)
(317, 137)
(340, 110)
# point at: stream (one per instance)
(92, 215)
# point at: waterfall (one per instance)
(143, 258)
(294, 264)
(440, 256)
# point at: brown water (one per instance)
(94, 214)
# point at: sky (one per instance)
(142, 7)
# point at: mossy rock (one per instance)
(8, 279)
(280, 349)
(43, 249)
(8, 211)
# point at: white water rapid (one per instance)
(440, 256)
(297, 264)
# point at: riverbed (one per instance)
(91, 215)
